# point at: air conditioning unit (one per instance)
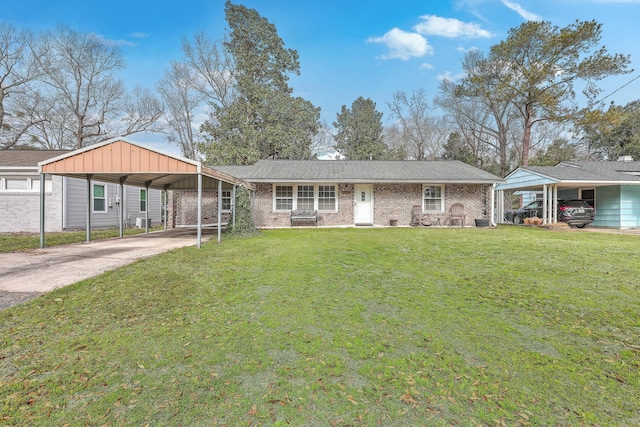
(140, 222)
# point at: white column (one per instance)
(42, 211)
(199, 210)
(219, 210)
(89, 208)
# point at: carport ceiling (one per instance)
(121, 160)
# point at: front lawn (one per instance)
(11, 242)
(390, 327)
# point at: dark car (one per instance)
(575, 212)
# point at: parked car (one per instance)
(575, 212)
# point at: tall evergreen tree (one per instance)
(264, 120)
(359, 131)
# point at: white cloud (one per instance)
(426, 66)
(451, 77)
(403, 45)
(465, 50)
(450, 27)
(139, 35)
(112, 42)
(529, 16)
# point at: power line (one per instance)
(621, 87)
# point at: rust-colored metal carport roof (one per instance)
(122, 161)
(120, 158)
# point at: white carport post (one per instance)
(555, 203)
(42, 215)
(146, 206)
(199, 208)
(219, 210)
(492, 216)
(89, 207)
(166, 205)
(545, 203)
(121, 205)
(233, 206)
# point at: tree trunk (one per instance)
(526, 138)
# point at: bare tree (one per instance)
(422, 136)
(140, 111)
(322, 142)
(213, 67)
(485, 119)
(178, 89)
(80, 73)
(18, 68)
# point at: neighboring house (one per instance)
(368, 192)
(66, 198)
(612, 188)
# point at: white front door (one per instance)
(364, 204)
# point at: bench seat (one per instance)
(304, 215)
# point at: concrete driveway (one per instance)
(42, 270)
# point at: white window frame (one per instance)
(305, 195)
(93, 198)
(226, 200)
(146, 194)
(316, 195)
(424, 207)
(33, 184)
(276, 198)
(335, 198)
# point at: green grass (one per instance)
(21, 242)
(391, 327)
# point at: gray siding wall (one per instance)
(76, 205)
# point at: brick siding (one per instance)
(21, 210)
(391, 202)
(183, 207)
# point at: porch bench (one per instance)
(304, 215)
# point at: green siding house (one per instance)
(613, 188)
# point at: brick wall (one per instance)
(21, 210)
(183, 207)
(391, 202)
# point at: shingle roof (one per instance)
(360, 171)
(590, 171)
(27, 157)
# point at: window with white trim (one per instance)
(326, 197)
(23, 184)
(226, 200)
(433, 198)
(99, 198)
(307, 196)
(283, 197)
(143, 200)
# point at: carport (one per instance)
(619, 182)
(122, 161)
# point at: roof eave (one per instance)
(374, 181)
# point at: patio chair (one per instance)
(456, 213)
(418, 217)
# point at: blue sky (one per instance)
(347, 48)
